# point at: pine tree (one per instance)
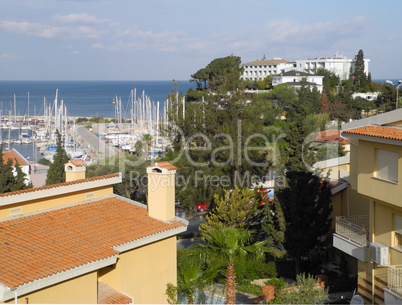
(56, 173)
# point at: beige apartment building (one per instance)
(372, 234)
(78, 243)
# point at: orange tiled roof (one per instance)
(164, 164)
(58, 185)
(108, 295)
(390, 133)
(330, 136)
(76, 162)
(13, 156)
(39, 245)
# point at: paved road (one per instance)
(92, 143)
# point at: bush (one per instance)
(247, 287)
(44, 161)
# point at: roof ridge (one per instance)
(40, 188)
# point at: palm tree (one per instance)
(193, 276)
(228, 244)
(147, 139)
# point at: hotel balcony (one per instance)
(393, 294)
(351, 236)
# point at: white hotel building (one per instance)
(260, 69)
(340, 65)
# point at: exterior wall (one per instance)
(80, 290)
(333, 171)
(259, 71)
(338, 65)
(370, 186)
(74, 175)
(144, 273)
(54, 201)
(357, 204)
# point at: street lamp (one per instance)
(397, 89)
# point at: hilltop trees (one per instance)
(221, 74)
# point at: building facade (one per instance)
(339, 65)
(295, 79)
(261, 68)
(374, 238)
(78, 243)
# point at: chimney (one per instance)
(161, 190)
(75, 170)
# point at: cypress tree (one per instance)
(56, 173)
(306, 206)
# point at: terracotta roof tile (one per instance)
(330, 136)
(390, 133)
(39, 245)
(11, 154)
(34, 189)
(76, 162)
(108, 295)
(164, 164)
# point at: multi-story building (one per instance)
(339, 65)
(78, 243)
(261, 68)
(295, 78)
(373, 235)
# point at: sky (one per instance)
(172, 39)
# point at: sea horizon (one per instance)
(82, 98)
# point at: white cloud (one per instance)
(8, 56)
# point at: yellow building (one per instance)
(375, 239)
(77, 242)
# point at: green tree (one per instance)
(133, 170)
(237, 209)
(221, 74)
(56, 173)
(8, 181)
(20, 179)
(359, 77)
(147, 140)
(193, 276)
(306, 206)
(227, 245)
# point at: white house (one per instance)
(261, 68)
(340, 65)
(294, 78)
(17, 158)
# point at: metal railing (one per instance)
(353, 228)
(394, 278)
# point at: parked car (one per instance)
(202, 206)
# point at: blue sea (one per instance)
(82, 98)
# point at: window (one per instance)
(386, 165)
(398, 231)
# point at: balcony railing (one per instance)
(353, 228)
(394, 278)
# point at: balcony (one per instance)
(393, 295)
(351, 236)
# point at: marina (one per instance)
(140, 119)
